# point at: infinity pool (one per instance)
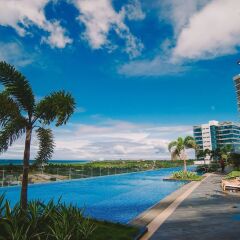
(117, 198)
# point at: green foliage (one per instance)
(204, 153)
(189, 142)
(19, 111)
(182, 175)
(123, 164)
(235, 159)
(56, 221)
(44, 221)
(17, 86)
(178, 147)
(58, 106)
(19, 114)
(212, 167)
(46, 145)
(9, 109)
(233, 174)
(11, 132)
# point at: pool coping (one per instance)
(146, 217)
(162, 214)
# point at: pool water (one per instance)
(117, 198)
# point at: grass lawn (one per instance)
(233, 174)
(113, 231)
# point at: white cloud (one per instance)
(14, 53)
(211, 32)
(23, 14)
(109, 139)
(202, 29)
(133, 10)
(178, 12)
(100, 19)
(151, 67)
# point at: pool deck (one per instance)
(199, 210)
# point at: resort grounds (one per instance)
(12, 174)
(198, 209)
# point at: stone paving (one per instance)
(207, 213)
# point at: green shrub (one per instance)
(235, 160)
(43, 221)
(212, 167)
(181, 175)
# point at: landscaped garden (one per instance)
(56, 221)
(187, 176)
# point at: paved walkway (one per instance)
(207, 213)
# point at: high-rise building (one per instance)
(237, 86)
(216, 134)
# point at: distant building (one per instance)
(216, 134)
(237, 86)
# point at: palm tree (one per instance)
(21, 114)
(177, 148)
(204, 153)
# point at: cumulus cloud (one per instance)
(22, 15)
(203, 29)
(178, 12)
(109, 139)
(211, 32)
(100, 19)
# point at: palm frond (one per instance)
(175, 154)
(58, 106)
(189, 142)
(46, 145)
(9, 109)
(17, 86)
(11, 132)
(171, 145)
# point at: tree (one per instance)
(177, 148)
(21, 114)
(225, 152)
(204, 153)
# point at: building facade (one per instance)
(237, 87)
(216, 134)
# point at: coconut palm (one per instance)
(177, 148)
(21, 114)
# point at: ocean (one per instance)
(19, 162)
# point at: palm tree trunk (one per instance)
(183, 157)
(185, 165)
(26, 158)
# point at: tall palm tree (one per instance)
(21, 114)
(177, 148)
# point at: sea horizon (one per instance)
(19, 161)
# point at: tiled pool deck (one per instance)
(207, 213)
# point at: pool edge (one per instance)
(144, 218)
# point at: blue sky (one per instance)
(142, 72)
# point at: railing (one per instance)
(11, 178)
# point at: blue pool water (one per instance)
(118, 198)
